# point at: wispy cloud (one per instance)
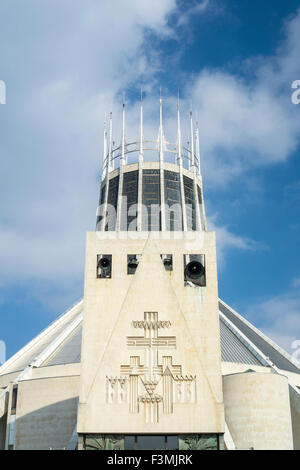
(227, 240)
(292, 194)
(64, 71)
(278, 317)
(68, 70)
(296, 283)
(246, 118)
(194, 8)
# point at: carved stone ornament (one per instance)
(104, 442)
(155, 386)
(198, 442)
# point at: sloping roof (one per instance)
(70, 350)
(233, 350)
(277, 355)
(58, 334)
(241, 342)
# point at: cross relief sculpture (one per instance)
(149, 384)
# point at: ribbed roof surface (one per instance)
(258, 340)
(34, 348)
(233, 350)
(69, 352)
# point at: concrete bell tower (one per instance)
(151, 360)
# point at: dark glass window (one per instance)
(129, 442)
(112, 201)
(102, 193)
(150, 442)
(151, 219)
(199, 195)
(173, 200)
(188, 184)
(172, 442)
(130, 199)
(14, 400)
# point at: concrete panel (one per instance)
(46, 412)
(257, 410)
(117, 358)
(295, 410)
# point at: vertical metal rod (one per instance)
(161, 167)
(196, 199)
(106, 166)
(180, 163)
(161, 134)
(111, 161)
(122, 162)
(192, 142)
(140, 170)
(198, 149)
(202, 206)
(123, 131)
(141, 154)
(104, 158)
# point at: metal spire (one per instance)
(140, 170)
(141, 155)
(192, 141)
(198, 148)
(180, 163)
(111, 162)
(104, 160)
(161, 135)
(179, 156)
(161, 169)
(122, 161)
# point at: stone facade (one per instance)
(151, 354)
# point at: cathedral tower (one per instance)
(137, 363)
(151, 360)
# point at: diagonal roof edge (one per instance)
(75, 309)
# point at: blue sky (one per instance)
(66, 62)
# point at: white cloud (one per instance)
(292, 194)
(278, 317)
(227, 240)
(244, 118)
(63, 72)
(195, 8)
(296, 282)
(68, 68)
(247, 121)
